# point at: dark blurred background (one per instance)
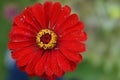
(102, 23)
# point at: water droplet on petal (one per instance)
(22, 20)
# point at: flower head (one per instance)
(46, 40)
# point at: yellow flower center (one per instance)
(46, 39)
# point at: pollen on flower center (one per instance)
(46, 39)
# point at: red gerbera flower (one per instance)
(46, 40)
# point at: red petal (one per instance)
(75, 36)
(24, 26)
(78, 27)
(22, 68)
(63, 62)
(48, 7)
(21, 21)
(48, 70)
(40, 66)
(25, 59)
(30, 69)
(63, 15)
(73, 66)
(21, 38)
(73, 46)
(18, 45)
(55, 66)
(43, 76)
(19, 53)
(54, 14)
(70, 21)
(39, 15)
(21, 31)
(29, 18)
(70, 55)
(52, 78)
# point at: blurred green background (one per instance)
(102, 23)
